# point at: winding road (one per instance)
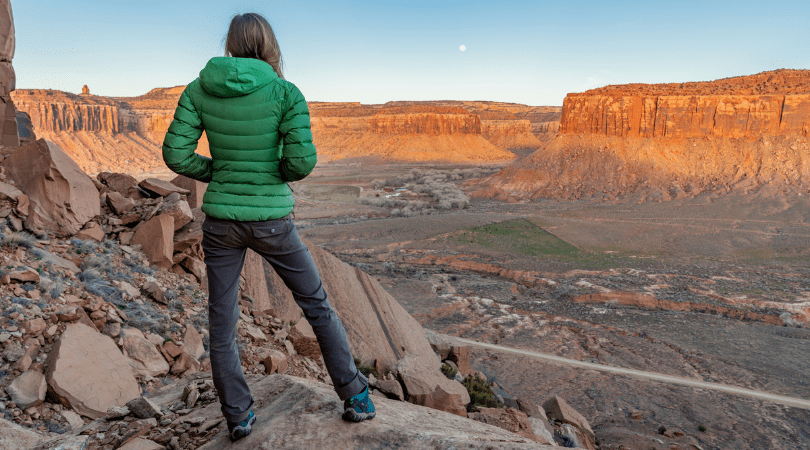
(780, 399)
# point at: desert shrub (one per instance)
(145, 317)
(84, 247)
(37, 252)
(449, 371)
(19, 239)
(365, 369)
(377, 184)
(58, 287)
(480, 392)
(138, 267)
(90, 275)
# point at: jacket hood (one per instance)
(225, 76)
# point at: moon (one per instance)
(462, 48)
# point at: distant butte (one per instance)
(666, 141)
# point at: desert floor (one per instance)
(692, 287)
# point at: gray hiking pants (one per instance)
(225, 243)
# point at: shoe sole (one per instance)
(241, 432)
(350, 415)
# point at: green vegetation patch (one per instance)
(480, 392)
(518, 236)
(329, 192)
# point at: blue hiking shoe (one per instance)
(238, 430)
(359, 408)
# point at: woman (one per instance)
(258, 130)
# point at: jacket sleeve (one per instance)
(181, 142)
(298, 156)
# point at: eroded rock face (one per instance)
(62, 198)
(309, 415)
(86, 371)
(9, 136)
(775, 103)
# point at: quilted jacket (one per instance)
(258, 131)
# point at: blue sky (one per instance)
(531, 52)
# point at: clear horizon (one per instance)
(528, 52)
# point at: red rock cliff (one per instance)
(8, 114)
(772, 103)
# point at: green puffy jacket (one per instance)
(258, 132)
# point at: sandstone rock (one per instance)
(161, 188)
(24, 276)
(274, 361)
(574, 437)
(72, 418)
(255, 334)
(191, 234)
(461, 356)
(192, 343)
(28, 389)
(156, 238)
(309, 414)
(303, 339)
(177, 208)
(146, 358)
(91, 231)
(439, 343)
(154, 292)
(141, 444)
(119, 204)
(123, 184)
(9, 192)
(425, 385)
(87, 372)
(185, 364)
(509, 419)
(62, 198)
(196, 188)
(13, 351)
(558, 409)
(13, 436)
(390, 388)
(542, 428)
(195, 266)
(117, 412)
(23, 202)
(143, 408)
(172, 349)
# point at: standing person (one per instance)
(258, 130)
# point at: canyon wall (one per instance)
(126, 133)
(9, 136)
(770, 103)
(672, 140)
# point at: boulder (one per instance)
(156, 238)
(119, 204)
(509, 419)
(303, 339)
(141, 444)
(143, 408)
(124, 184)
(161, 188)
(192, 343)
(178, 208)
(73, 419)
(146, 358)
(91, 231)
(390, 388)
(309, 412)
(558, 409)
(425, 385)
(9, 192)
(28, 389)
(87, 372)
(196, 188)
(185, 364)
(62, 198)
(191, 234)
(13, 436)
(25, 128)
(195, 266)
(274, 361)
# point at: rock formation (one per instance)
(670, 141)
(108, 134)
(9, 136)
(772, 103)
(85, 90)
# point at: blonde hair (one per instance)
(250, 36)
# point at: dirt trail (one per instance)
(780, 399)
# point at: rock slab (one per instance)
(62, 197)
(88, 373)
(298, 413)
